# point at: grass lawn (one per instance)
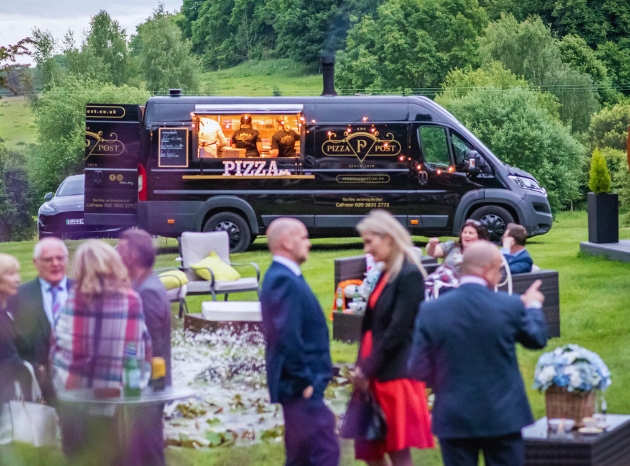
(17, 125)
(594, 306)
(260, 78)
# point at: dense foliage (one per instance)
(516, 125)
(16, 223)
(60, 120)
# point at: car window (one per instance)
(461, 150)
(434, 146)
(71, 187)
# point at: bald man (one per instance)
(36, 307)
(298, 355)
(464, 348)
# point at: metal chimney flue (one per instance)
(328, 73)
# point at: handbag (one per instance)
(29, 422)
(364, 419)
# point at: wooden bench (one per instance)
(347, 327)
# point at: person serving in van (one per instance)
(247, 138)
(211, 138)
(283, 142)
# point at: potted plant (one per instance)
(603, 206)
(569, 377)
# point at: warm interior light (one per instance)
(365, 118)
(439, 172)
(401, 158)
(171, 221)
(414, 222)
(451, 169)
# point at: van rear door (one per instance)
(112, 148)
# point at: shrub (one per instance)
(599, 177)
(16, 222)
(609, 127)
(617, 162)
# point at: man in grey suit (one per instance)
(138, 254)
(36, 307)
(464, 349)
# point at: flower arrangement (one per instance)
(572, 368)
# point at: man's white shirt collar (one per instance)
(292, 266)
(471, 279)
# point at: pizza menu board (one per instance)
(173, 144)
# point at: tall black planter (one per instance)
(603, 218)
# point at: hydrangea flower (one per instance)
(571, 367)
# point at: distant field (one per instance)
(17, 126)
(261, 78)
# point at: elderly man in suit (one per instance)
(464, 349)
(36, 307)
(298, 354)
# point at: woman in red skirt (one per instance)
(386, 341)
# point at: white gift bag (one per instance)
(29, 422)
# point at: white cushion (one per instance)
(196, 246)
(199, 286)
(175, 294)
(235, 285)
(235, 311)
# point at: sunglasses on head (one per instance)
(470, 221)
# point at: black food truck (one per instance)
(174, 166)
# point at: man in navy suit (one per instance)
(298, 355)
(464, 349)
(514, 250)
(36, 307)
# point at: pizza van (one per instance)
(178, 164)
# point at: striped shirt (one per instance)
(76, 354)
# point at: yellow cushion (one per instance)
(221, 270)
(172, 279)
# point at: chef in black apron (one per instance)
(283, 142)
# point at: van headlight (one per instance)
(528, 183)
(46, 208)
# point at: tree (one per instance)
(60, 121)
(609, 127)
(616, 57)
(15, 76)
(521, 132)
(575, 51)
(16, 222)
(45, 46)
(411, 44)
(599, 177)
(107, 41)
(528, 49)
(164, 56)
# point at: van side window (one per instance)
(434, 146)
(461, 151)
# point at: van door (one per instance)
(440, 179)
(359, 167)
(112, 140)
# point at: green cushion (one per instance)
(172, 279)
(222, 271)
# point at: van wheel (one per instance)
(236, 228)
(495, 219)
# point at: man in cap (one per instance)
(247, 138)
(283, 142)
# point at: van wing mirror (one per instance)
(474, 162)
(48, 196)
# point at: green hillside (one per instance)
(17, 127)
(260, 78)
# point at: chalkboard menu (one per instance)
(173, 147)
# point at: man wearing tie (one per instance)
(36, 306)
(298, 354)
(464, 348)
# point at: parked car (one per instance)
(61, 214)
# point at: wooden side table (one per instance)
(610, 448)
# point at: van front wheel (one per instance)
(235, 226)
(495, 219)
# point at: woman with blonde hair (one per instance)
(387, 331)
(102, 317)
(11, 365)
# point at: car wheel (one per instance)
(235, 226)
(495, 219)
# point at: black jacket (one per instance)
(391, 321)
(10, 362)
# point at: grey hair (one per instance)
(382, 223)
(40, 245)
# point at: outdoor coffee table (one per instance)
(609, 448)
(235, 315)
(85, 397)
